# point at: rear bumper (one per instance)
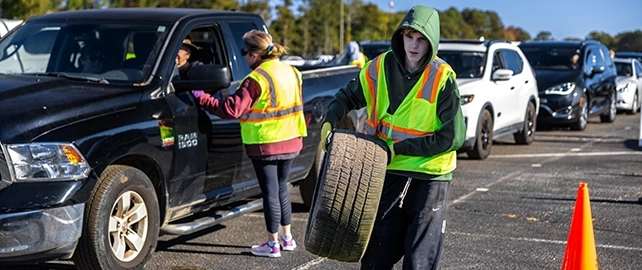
(40, 235)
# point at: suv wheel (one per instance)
(610, 115)
(121, 222)
(527, 134)
(582, 119)
(484, 137)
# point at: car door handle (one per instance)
(512, 88)
(526, 82)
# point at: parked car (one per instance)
(94, 165)
(6, 26)
(629, 84)
(498, 92)
(636, 55)
(576, 80)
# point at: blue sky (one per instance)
(563, 18)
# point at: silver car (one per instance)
(629, 84)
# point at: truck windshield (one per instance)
(467, 64)
(121, 52)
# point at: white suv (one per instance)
(498, 92)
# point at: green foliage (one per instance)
(310, 27)
(544, 35)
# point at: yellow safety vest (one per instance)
(359, 62)
(278, 113)
(415, 117)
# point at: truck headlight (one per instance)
(465, 99)
(625, 87)
(561, 89)
(46, 161)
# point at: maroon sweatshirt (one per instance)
(239, 103)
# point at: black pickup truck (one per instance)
(95, 166)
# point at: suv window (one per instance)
(638, 69)
(512, 60)
(466, 64)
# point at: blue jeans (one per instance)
(414, 232)
(273, 180)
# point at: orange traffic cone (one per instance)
(580, 248)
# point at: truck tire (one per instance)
(347, 196)
(121, 223)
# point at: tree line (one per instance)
(311, 27)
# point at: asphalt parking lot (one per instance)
(511, 211)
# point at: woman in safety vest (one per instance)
(413, 104)
(269, 106)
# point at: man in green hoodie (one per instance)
(413, 104)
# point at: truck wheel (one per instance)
(484, 137)
(527, 134)
(307, 185)
(347, 196)
(121, 222)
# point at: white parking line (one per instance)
(573, 154)
(545, 241)
(309, 264)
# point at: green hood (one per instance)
(423, 19)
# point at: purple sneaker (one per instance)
(265, 250)
(288, 245)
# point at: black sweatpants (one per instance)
(414, 232)
(273, 180)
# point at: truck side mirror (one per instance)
(205, 77)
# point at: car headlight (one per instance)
(465, 99)
(625, 87)
(561, 89)
(46, 161)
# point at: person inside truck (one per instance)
(269, 106)
(411, 216)
(91, 59)
(183, 58)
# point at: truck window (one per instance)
(117, 52)
(238, 30)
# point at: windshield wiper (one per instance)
(75, 77)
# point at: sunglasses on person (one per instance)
(244, 52)
(95, 57)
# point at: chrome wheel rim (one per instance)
(128, 226)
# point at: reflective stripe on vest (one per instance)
(415, 117)
(277, 115)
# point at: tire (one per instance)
(483, 137)
(308, 185)
(527, 134)
(636, 103)
(103, 229)
(347, 197)
(610, 115)
(582, 119)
